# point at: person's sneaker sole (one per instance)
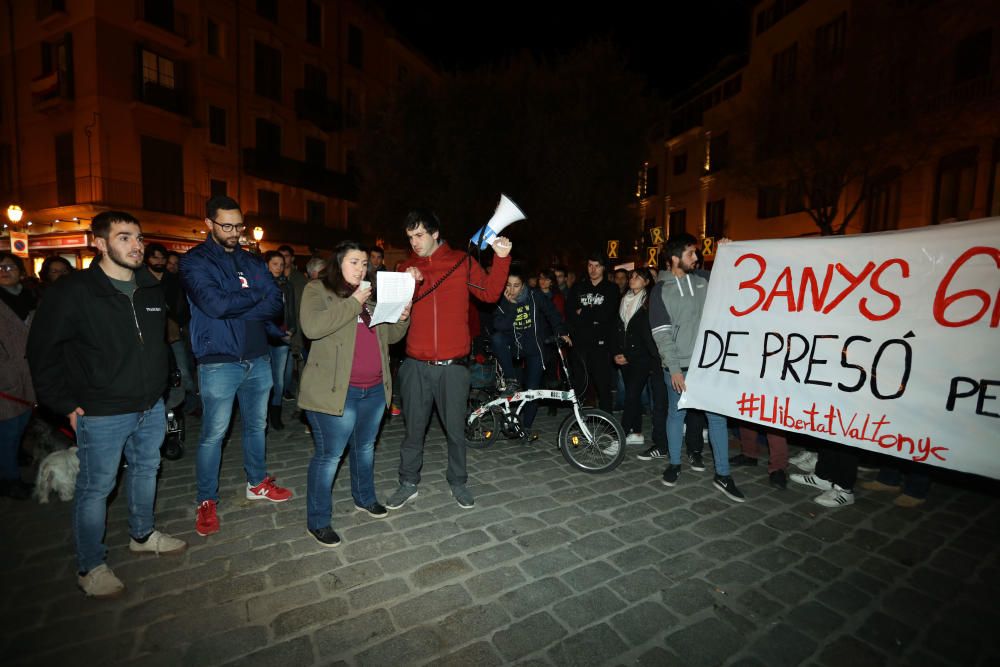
(377, 516)
(735, 499)
(207, 533)
(650, 457)
(405, 500)
(106, 596)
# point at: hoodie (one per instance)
(675, 307)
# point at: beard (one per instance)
(123, 260)
(226, 241)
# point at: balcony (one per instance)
(113, 193)
(168, 99)
(299, 174)
(51, 90)
(965, 94)
(159, 20)
(318, 109)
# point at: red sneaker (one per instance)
(268, 490)
(394, 410)
(207, 522)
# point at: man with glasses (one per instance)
(233, 297)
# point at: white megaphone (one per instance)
(506, 213)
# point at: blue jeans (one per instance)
(279, 361)
(101, 441)
(357, 427)
(183, 360)
(11, 433)
(250, 382)
(718, 436)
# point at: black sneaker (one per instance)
(778, 479)
(695, 462)
(328, 537)
(742, 460)
(671, 474)
(728, 487)
(652, 453)
(376, 509)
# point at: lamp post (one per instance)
(14, 214)
(258, 234)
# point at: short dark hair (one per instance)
(559, 267)
(43, 273)
(287, 248)
(100, 226)
(548, 274)
(379, 249)
(173, 253)
(220, 203)
(621, 270)
(676, 245)
(334, 279)
(422, 216)
(154, 248)
(17, 260)
(271, 254)
(596, 256)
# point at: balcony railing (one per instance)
(114, 193)
(299, 174)
(965, 93)
(169, 99)
(49, 89)
(319, 110)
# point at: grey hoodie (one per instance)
(675, 306)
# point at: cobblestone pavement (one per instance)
(552, 566)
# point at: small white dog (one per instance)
(57, 473)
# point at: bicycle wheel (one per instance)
(482, 431)
(602, 454)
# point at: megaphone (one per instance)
(506, 213)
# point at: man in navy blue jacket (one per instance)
(233, 301)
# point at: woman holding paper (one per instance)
(346, 384)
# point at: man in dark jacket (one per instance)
(232, 297)
(98, 354)
(524, 318)
(592, 312)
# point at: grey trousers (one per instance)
(421, 388)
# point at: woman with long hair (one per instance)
(346, 384)
(637, 356)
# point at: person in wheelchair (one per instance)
(523, 320)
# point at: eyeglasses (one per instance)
(227, 227)
(8, 267)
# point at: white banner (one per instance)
(888, 342)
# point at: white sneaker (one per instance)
(805, 460)
(811, 480)
(634, 439)
(158, 543)
(101, 582)
(835, 497)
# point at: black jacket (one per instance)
(636, 342)
(92, 347)
(545, 320)
(598, 306)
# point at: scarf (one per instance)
(631, 302)
(18, 299)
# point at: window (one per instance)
(993, 205)
(652, 181)
(216, 126)
(65, 170)
(159, 12)
(972, 57)
(268, 204)
(314, 23)
(882, 207)
(57, 57)
(794, 197)
(315, 212)
(268, 10)
(715, 218)
(218, 188)
(214, 39)
(355, 47)
(162, 176)
(717, 152)
(680, 163)
(677, 222)
(783, 67)
(158, 70)
(267, 72)
(316, 152)
(268, 139)
(830, 42)
(45, 8)
(956, 186)
(159, 82)
(769, 201)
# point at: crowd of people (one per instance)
(95, 347)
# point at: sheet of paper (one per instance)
(394, 290)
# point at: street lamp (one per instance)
(14, 214)
(258, 234)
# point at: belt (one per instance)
(457, 361)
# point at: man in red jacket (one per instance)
(437, 348)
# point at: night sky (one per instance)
(673, 44)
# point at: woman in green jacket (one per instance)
(346, 384)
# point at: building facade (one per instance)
(912, 134)
(153, 106)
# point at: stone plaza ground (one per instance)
(551, 567)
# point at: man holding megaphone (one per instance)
(437, 348)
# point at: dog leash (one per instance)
(16, 399)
